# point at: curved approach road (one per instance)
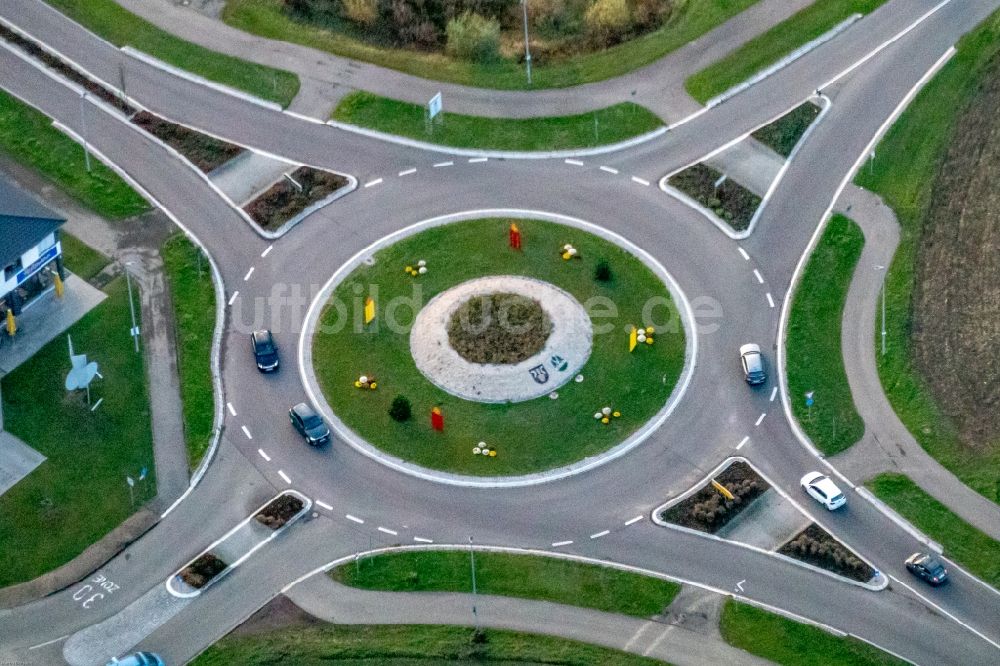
(362, 504)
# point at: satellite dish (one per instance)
(82, 373)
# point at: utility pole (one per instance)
(527, 51)
(131, 306)
(83, 129)
(879, 267)
(472, 562)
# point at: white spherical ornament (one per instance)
(421, 263)
(486, 452)
(598, 415)
(572, 251)
(567, 246)
(476, 451)
(606, 411)
(422, 270)
(641, 337)
(363, 379)
(482, 445)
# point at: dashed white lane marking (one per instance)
(232, 410)
(54, 640)
(632, 521)
(387, 530)
(609, 169)
(743, 253)
(561, 543)
(600, 534)
(742, 442)
(760, 418)
(267, 251)
(475, 160)
(232, 298)
(284, 477)
(574, 162)
(641, 181)
(372, 183)
(263, 454)
(249, 273)
(770, 299)
(774, 393)
(406, 172)
(324, 505)
(756, 274)
(354, 519)
(423, 540)
(443, 164)
(247, 432)
(635, 636)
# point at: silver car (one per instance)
(753, 364)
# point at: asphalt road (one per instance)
(716, 413)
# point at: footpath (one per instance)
(887, 445)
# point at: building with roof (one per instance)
(30, 252)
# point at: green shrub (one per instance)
(602, 272)
(473, 37)
(400, 409)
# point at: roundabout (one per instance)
(516, 350)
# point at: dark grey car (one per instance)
(309, 424)
(927, 567)
(265, 352)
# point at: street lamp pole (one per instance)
(472, 563)
(131, 306)
(879, 267)
(83, 129)
(527, 51)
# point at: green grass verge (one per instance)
(815, 359)
(767, 49)
(78, 494)
(121, 27)
(81, 259)
(610, 125)
(784, 133)
(523, 433)
(193, 297)
(791, 643)
(962, 542)
(28, 137)
(691, 20)
(903, 174)
(508, 575)
(404, 645)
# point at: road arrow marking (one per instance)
(739, 585)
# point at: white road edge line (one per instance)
(324, 505)
(760, 418)
(743, 253)
(284, 477)
(354, 519)
(422, 540)
(249, 273)
(232, 410)
(232, 298)
(476, 160)
(774, 393)
(267, 251)
(387, 530)
(443, 164)
(770, 299)
(405, 172)
(247, 432)
(760, 278)
(944, 612)
(609, 169)
(561, 543)
(641, 181)
(371, 183)
(742, 442)
(632, 521)
(54, 640)
(600, 534)
(263, 454)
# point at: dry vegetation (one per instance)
(499, 328)
(707, 510)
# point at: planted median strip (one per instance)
(604, 126)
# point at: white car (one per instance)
(823, 490)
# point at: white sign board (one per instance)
(434, 106)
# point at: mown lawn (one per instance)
(121, 27)
(691, 20)
(528, 436)
(503, 574)
(610, 125)
(903, 174)
(813, 343)
(81, 259)
(767, 49)
(791, 643)
(962, 542)
(79, 493)
(28, 137)
(193, 297)
(405, 645)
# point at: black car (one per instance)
(927, 567)
(264, 350)
(309, 424)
